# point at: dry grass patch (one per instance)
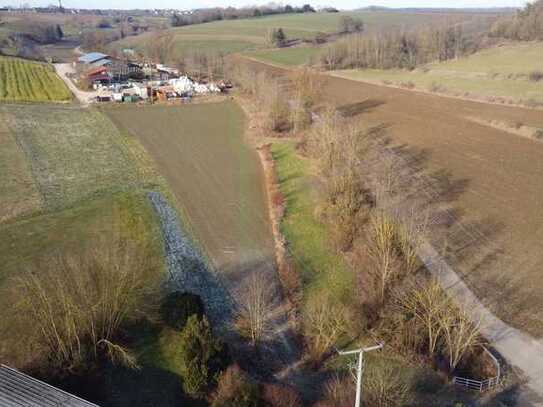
(518, 128)
(18, 191)
(72, 153)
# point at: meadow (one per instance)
(295, 56)
(72, 183)
(230, 36)
(24, 81)
(72, 154)
(499, 74)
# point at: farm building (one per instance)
(93, 58)
(98, 75)
(18, 389)
(121, 71)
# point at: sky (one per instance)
(188, 4)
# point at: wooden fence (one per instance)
(481, 385)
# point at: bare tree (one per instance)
(460, 334)
(410, 236)
(427, 303)
(384, 386)
(77, 304)
(382, 251)
(448, 328)
(339, 148)
(255, 308)
(306, 90)
(325, 321)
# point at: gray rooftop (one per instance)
(92, 57)
(20, 390)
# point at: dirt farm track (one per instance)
(496, 181)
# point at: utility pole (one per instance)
(359, 368)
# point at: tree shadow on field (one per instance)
(470, 242)
(357, 108)
(280, 345)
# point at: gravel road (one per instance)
(85, 98)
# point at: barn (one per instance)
(93, 58)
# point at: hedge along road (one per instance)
(496, 182)
(219, 183)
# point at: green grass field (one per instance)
(183, 45)
(286, 56)
(71, 153)
(323, 271)
(70, 181)
(497, 74)
(230, 36)
(24, 81)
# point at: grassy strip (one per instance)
(500, 74)
(287, 56)
(322, 270)
(18, 191)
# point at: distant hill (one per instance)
(491, 10)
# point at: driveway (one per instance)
(84, 97)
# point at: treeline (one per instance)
(25, 40)
(282, 106)
(231, 13)
(404, 50)
(526, 25)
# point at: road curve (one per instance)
(85, 98)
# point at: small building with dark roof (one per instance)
(20, 390)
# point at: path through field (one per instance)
(63, 70)
(495, 181)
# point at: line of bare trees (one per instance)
(526, 25)
(285, 104)
(231, 13)
(400, 49)
(382, 243)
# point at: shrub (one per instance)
(535, 76)
(407, 85)
(176, 308)
(325, 322)
(338, 392)
(235, 390)
(437, 88)
(277, 37)
(202, 356)
(274, 395)
(538, 134)
(74, 307)
(384, 386)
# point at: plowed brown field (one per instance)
(498, 178)
(215, 176)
